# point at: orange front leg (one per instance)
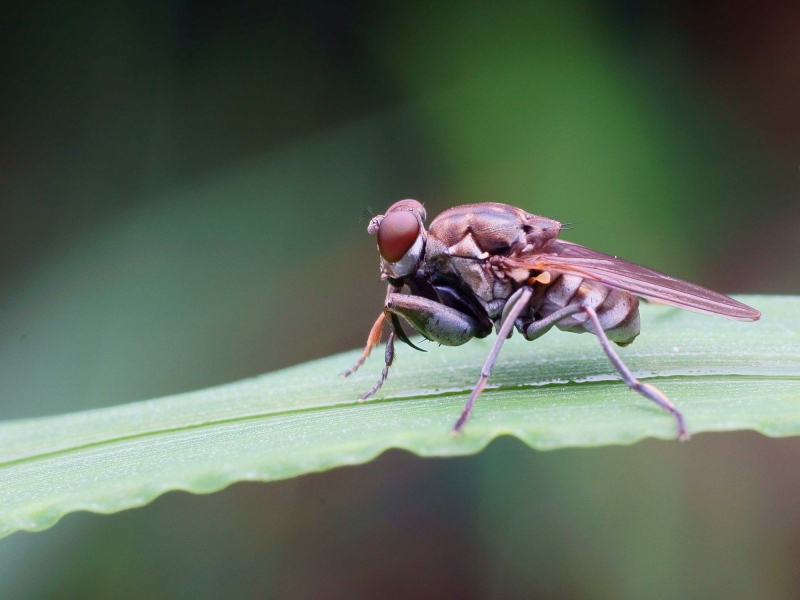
(373, 340)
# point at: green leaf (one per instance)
(559, 391)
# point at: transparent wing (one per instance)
(573, 259)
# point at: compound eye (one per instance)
(397, 234)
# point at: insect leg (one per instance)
(510, 316)
(385, 372)
(437, 322)
(537, 329)
(372, 341)
(646, 390)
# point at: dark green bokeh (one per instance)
(180, 193)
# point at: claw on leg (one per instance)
(372, 341)
(645, 389)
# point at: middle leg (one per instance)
(514, 307)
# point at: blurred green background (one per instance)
(181, 188)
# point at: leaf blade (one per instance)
(557, 392)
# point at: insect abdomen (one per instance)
(617, 310)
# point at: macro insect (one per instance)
(490, 266)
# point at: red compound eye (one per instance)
(396, 234)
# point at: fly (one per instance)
(490, 266)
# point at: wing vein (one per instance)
(574, 259)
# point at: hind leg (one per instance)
(648, 391)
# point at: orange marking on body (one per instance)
(544, 278)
